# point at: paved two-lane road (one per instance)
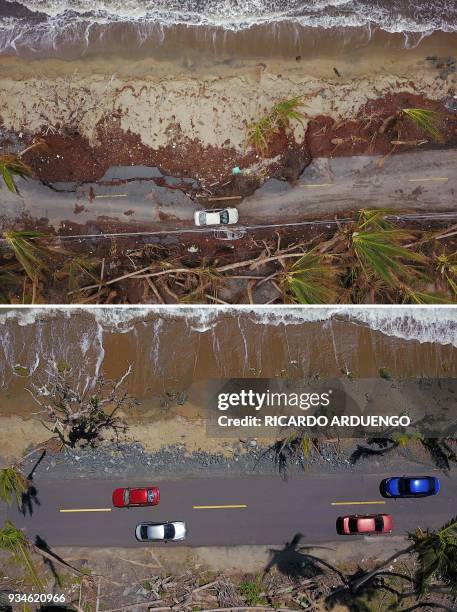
(126, 201)
(268, 510)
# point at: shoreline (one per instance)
(221, 344)
(72, 35)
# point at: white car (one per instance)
(216, 216)
(160, 532)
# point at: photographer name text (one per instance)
(315, 421)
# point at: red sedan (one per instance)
(143, 496)
(364, 524)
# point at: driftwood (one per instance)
(76, 415)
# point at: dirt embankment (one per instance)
(196, 123)
(374, 130)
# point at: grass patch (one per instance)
(281, 116)
(260, 133)
(446, 265)
(287, 111)
(251, 592)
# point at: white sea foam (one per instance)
(390, 15)
(434, 325)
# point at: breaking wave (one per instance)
(390, 15)
(437, 325)
(72, 27)
(170, 347)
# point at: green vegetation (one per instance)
(12, 484)
(280, 118)
(370, 257)
(382, 256)
(313, 279)
(34, 254)
(425, 119)
(9, 279)
(378, 247)
(20, 370)
(260, 133)
(413, 296)
(384, 373)
(11, 166)
(14, 541)
(251, 592)
(29, 252)
(436, 560)
(403, 440)
(446, 265)
(33, 559)
(287, 111)
(77, 267)
(437, 556)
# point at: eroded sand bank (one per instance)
(166, 102)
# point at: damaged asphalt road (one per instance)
(141, 199)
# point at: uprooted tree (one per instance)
(82, 418)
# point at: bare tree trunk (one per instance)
(356, 584)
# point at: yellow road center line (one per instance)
(435, 178)
(85, 510)
(356, 503)
(317, 185)
(219, 507)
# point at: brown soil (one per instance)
(72, 158)
(363, 135)
(126, 254)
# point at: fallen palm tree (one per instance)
(12, 166)
(370, 258)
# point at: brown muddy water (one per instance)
(172, 348)
(72, 37)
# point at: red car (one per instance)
(143, 496)
(364, 524)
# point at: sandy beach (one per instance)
(211, 104)
(192, 118)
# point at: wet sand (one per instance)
(70, 39)
(170, 351)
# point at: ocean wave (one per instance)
(76, 28)
(390, 15)
(393, 16)
(433, 325)
(437, 325)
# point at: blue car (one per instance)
(410, 486)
